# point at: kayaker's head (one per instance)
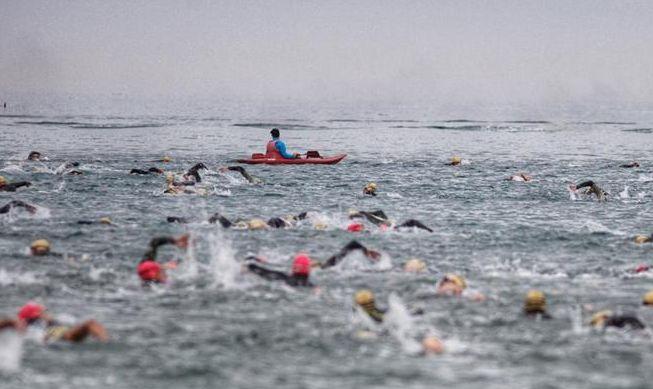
(275, 133)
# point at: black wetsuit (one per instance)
(152, 170)
(376, 217)
(193, 172)
(34, 156)
(274, 275)
(337, 258)
(373, 311)
(176, 219)
(277, 222)
(150, 254)
(597, 190)
(622, 321)
(244, 173)
(631, 165)
(217, 218)
(11, 187)
(17, 204)
(414, 223)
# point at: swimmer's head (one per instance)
(639, 239)
(166, 158)
(34, 156)
(320, 226)
(170, 178)
(599, 318)
(150, 271)
(364, 297)
(648, 298)
(105, 220)
(31, 312)
(301, 265)
(535, 302)
(40, 247)
(155, 170)
(456, 160)
(257, 224)
(275, 133)
(451, 284)
(355, 227)
(370, 189)
(414, 265)
(3, 181)
(432, 345)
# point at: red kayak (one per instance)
(311, 158)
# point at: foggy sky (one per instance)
(534, 52)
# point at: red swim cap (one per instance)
(301, 265)
(30, 311)
(641, 268)
(355, 227)
(149, 271)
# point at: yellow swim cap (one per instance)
(535, 302)
(3, 180)
(599, 318)
(456, 279)
(257, 224)
(105, 220)
(432, 345)
(648, 298)
(370, 187)
(320, 226)
(455, 160)
(40, 247)
(166, 159)
(642, 239)
(364, 297)
(170, 177)
(415, 265)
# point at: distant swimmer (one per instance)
(193, 173)
(630, 165)
(412, 223)
(103, 220)
(68, 168)
(455, 285)
(34, 156)
(6, 186)
(606, 318)
(367, 302)
(149, 270)
(34, 315)
(152, 170)
(40, 247)
(243, 172)
(276, 148)
(415, 265)
(643, 239)
(18, 204)
(455, 161)
(521, 177)
(648, 299)
(350, 247)
(175, 187)
(370, 189)
(593, 188)
(379, 218)
(535, 305)
(299, 275)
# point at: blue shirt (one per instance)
(281, 148)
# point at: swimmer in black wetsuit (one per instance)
(299, 276)
(11, 187)
(366, 301)
(379, 218)
(349, 247)
(149, 270)
(606, 318)
(34, 156)
(17, 204)
(413, 223)
(243, 172)
(193, 173)
(630, 165)
(593, 189)
(67, 168)
(152, 170)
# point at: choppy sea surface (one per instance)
(214, 326)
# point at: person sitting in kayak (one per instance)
(276, 148)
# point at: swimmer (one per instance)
(414, 265)
(240, 224)
(630, 165)
(40, 247)
(366, 301)
(648, 299)
(152, 170)
(5, 186)
(299, 276)
(432, 345)
(603, 319)
(370, 189)
(251, 179)
(412, 223)
(17, 204)
(279, 222)
(149, 270)
(455, 161)
(350, 247)
(593, 189)
(535, 305)
(175, 187)
(33, 314)
(379, 218)
(521, 177)
(455, 285)
(643, 239)
(103, 220)
(67, 168)
(177, 219)
(193, 173)
(34, 156)
(12, 324)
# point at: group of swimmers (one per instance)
(151, 271)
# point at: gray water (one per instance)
(214, 327)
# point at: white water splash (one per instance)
(223, 265)
(624, 194)
(10, 278)
(11, 352)
(399, 323)
(576, 316)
